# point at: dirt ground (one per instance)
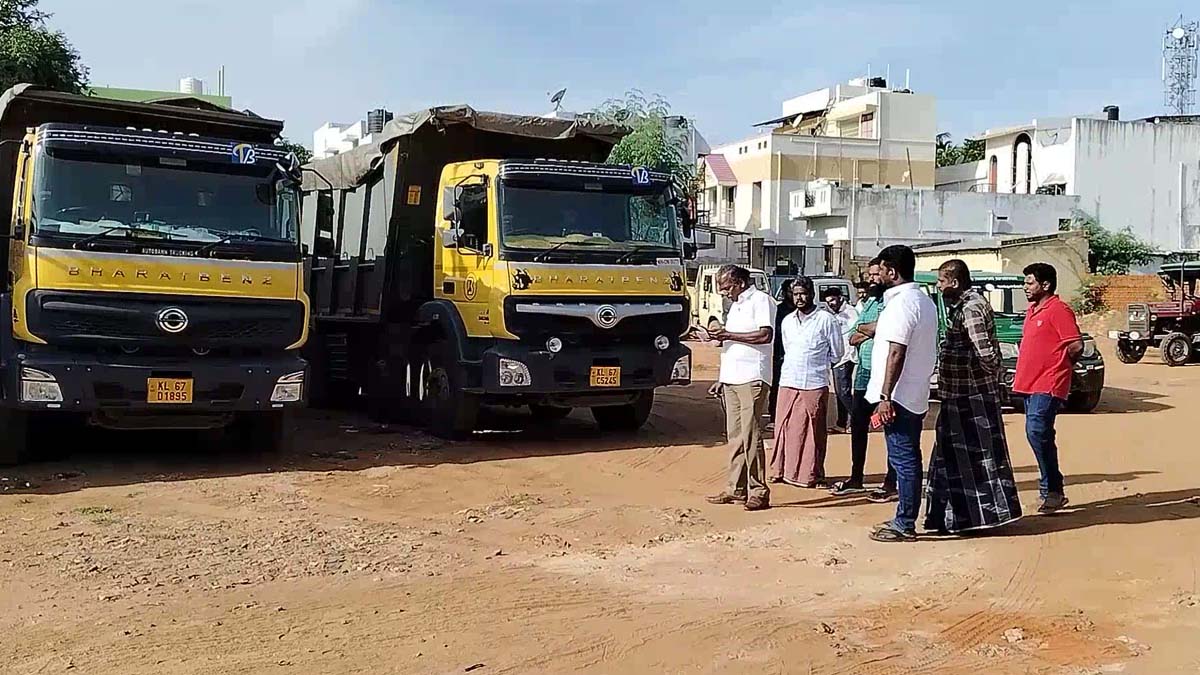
(554, 550)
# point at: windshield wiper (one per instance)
(241, 235)
(128, 228)
(545, 254)
(638, 249)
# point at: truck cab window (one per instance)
(472, 208)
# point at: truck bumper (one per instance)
(114, 389)
(566, 377)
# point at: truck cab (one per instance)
(470, 258)
(708, 304)
(154, 276)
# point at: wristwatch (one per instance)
(884, 397)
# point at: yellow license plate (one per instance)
(606, 376)
(168, 390)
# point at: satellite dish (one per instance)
(557, 98)
(1178, 33)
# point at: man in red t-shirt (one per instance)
(1050, 346)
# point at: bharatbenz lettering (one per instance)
(452, 269)
(153, 266)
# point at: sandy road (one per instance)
(553, 550)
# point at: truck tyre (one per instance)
(1176, 349)
(452, 411)
(628, 417)
(14, 437)
(548, 413)
(263, 434)
(1130, 352)
(1084, 401)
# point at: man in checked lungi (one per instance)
(970, 484)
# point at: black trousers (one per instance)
(860, 427)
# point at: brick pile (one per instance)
(1119, 290)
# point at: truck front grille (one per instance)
(582, 331)
(1139, 317)
(128, 321)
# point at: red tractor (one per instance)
(1173, 326)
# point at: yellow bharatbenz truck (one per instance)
(468, 258)
(152, 266)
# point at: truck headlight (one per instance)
(514, 374)
(1009, 350)
(288, 388)
(554, 345)
(662, 342)
(682, 370)
(38, 386)
(1089, 348)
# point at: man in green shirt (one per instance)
(862, 339)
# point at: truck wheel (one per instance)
(628, 417)
(1176, 349)
(14, 437)
(1084, 401)
(263, 434)
(548, 413)
(1130, 352)
(452, 411)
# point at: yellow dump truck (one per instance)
(468, 258)
(153, 269)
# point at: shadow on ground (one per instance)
(348, 441)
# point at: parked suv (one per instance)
(1006, 294)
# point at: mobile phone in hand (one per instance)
(876, 421)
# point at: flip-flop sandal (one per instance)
(890, 535)
(842, 488)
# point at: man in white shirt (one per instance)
(812, 342)
(843, 370)
(902, 361)
(745, 380)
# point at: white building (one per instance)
(1143, 175)
(869, 219)
(862, 133)
(336, 137)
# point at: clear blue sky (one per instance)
(727, 64)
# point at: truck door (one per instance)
(463, 272)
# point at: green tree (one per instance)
(1112, 252)
(32, 53)
(302, 153)
(648, 143)
(949, 154)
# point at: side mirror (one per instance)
(687, 222)
(449, 205)
(323, 247)
(689, 250)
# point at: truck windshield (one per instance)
(540, 219)
(78, 193)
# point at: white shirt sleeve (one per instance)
(899, 324)
(763, 311)
(837, 346)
